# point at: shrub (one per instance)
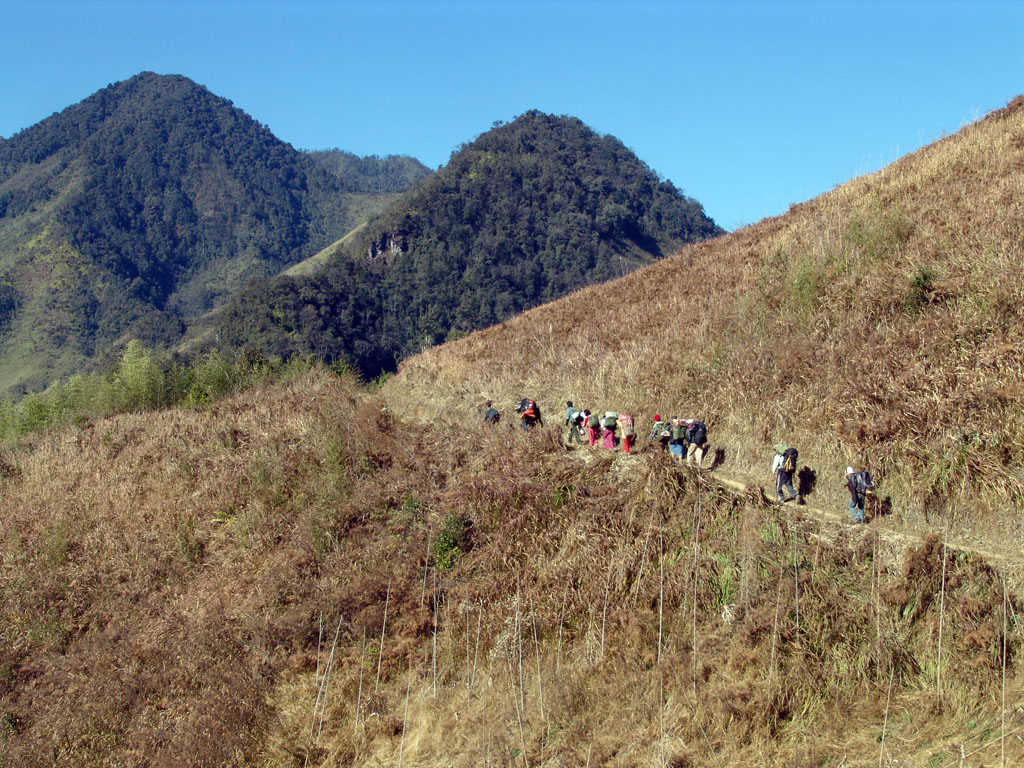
(452, 540)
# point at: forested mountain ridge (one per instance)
(391, 174)
(146, 204)
(529, 211)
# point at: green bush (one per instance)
(452, 541)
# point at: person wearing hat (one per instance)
(783, 467)
(660, 433)
(697, 437)
(857, 496)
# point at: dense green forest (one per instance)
(149, 203)
(373, 174)
(136, 212)
(527, 212)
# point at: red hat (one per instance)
(657, 417)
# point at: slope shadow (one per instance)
(806, 481)
(719, 459)
(878, 506)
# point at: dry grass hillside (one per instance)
(878, 324)
(296, 577)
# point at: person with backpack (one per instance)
(677, 438)
(783, 467)
(590, 425)
(697, 437)
(859, 484)
(491, 415)
(661, 431)
(628, 432)
(574, 421)
(608, 426)
(530, 416)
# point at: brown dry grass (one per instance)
(172, 584)
(879, 324)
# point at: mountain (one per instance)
(394, 173)
(529, 211)
(147, 204)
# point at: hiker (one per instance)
(608, 425)
(660, 433)
(783, 467)
(574, 421)
(677, 439)
(592, 428)
(628, 432)
(697, 437)
(491, 415)
(530, 416)
(860, 485)
(569, 411)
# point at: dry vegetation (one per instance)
(295, 577)
(313, 574)
(879, 324)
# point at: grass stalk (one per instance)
(643, 561)
(380, 655)
(433, 658)
(405, 715)
(885, 722)
(322, 697)
(1002, 708)
(604, 610)
(362, 664)
(536, 650)
(561, 623)
(517, 705)
(426, 566)
(942, 617)
(661, 591)
(796, 589)
(519, 646)
(476, 650)
(696, 580)
(775, 628)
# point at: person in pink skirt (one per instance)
(628, 432)
(590, 424)
(608, 425)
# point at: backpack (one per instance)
(679, 433)
(610, 421)
(576, 418)
(789, 460)
(530, 411)
(627, 425)
(698, 433)
(522, 405)
(862, 482)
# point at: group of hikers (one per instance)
(685, 438)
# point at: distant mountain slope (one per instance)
(881, 324)
(148, 203)
(524, 214)
(394, 173)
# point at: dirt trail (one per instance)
(831, 526)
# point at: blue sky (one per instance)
(746, 106)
